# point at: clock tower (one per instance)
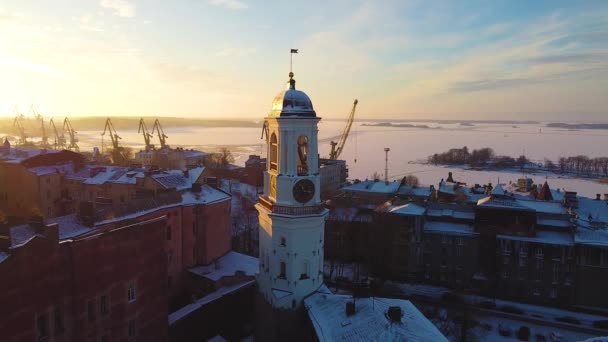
(291, 215)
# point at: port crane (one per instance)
(117, 154)
(337, 147)
(59, 139)
(147, 135)
(45, 138)
(161, 134)
(67, 126)
(18, 126)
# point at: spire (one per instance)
(292, 82)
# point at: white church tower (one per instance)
(291, 215)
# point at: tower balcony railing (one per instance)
(285, 210)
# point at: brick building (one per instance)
(73, 282)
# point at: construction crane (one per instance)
(67, 126)
(117, 154)
(147, 135)
(337, 147)
(161, 134)
(18, 126)
(59, 139)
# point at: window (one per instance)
(131, 293)
(553, 293)
(460, 242)
(506, 249)
(282, 270)
(131, 330)
(43, 329)
(523, 262)
(58, 316)
(304, 271)
(103, 305)
(539, 253)
(303, 155)
(168, 232)
(444, 239)
(458, 250)
(505, 274)
(91, 310)
(523, 250)
(274, 153)
(540, 264)
(536, 291)
(505, 260)
(283, 241)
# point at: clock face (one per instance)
(304, 190)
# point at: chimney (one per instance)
(394, 313)
(186, 173)
(605, 197)
(598, 197)
(37, 222)
(350, 308)
(196, 187)
(51, 231)
(86, 213)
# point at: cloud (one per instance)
(229, 4)
(121, 8)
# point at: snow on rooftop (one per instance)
(69, 227)
(3, 256)
(498, 190)
(546, 237)
(370, 321)
(597, 209)
(448, 228)
(206, 196)
(408, 209)
(221, 292)
(451, 212)
(595, 237)
(227, 266)
(66, 168)
(546, 207)
(374, 186)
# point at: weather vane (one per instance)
(291, 59)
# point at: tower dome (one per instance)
(292, 102)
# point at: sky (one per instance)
(403, 59)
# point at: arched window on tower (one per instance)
(274, 153)
(303, 155)
(282, 270)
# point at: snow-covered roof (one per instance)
(451, 212)
(597, 209)
(546, 237)
(212, 297)
(69, 227)
(544, 206)
(418, 191)
(207, 195)
(587, 236)
(498, 190)
(175, 179)
(374, 186)
(407, 209)
(66, 168)
(448, 228)
(370, 321)
(228, 266)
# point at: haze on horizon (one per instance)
(519, 60)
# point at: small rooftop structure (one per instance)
(373, 319)
(227, 266)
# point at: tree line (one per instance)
(579, 165)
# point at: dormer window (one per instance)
(274, 153)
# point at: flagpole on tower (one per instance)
(291, 59)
